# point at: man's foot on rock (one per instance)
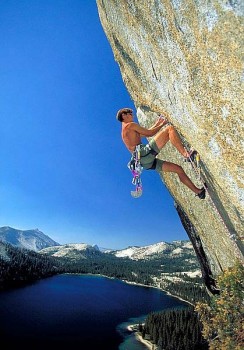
(202, 194)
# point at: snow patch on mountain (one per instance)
(192, 274)
(72, 250)
(177, 251)
(154, 250)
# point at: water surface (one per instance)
(77, 312)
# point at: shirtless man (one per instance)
(131, 136)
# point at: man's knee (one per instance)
(170, 128)
(180, 170)
(176, 169)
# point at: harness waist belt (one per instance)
(153, 152)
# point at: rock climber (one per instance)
(132, 133)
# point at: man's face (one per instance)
(128, 116)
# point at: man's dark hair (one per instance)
(121, 111)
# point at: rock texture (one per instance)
(185, 57)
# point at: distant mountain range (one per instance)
(29, 239)
(158, 250)
(39, 242)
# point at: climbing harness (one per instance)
(136, 168)
(197, 170)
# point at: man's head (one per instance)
(123, 111)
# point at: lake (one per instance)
(77, 312)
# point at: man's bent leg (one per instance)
(169, 133)
(174, 168)
(162, 137)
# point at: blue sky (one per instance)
(63, 164)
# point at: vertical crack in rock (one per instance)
(154, 72)
(198, 247)
(126, 57)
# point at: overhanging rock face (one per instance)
(184, 57)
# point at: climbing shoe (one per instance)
(192, 156)
(202, 194)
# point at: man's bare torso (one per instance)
(130, 137)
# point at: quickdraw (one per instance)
(135, 167)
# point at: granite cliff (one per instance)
(185, 57)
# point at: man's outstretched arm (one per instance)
(147, 132)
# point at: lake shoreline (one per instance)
(139, 338)
(148, 344)
(135, 284)
(161, 289)
(138, 334)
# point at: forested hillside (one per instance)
(175, 330)
(19, 266)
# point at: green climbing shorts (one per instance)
(148, 156)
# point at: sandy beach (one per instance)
(148, 344)
(138, 336)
